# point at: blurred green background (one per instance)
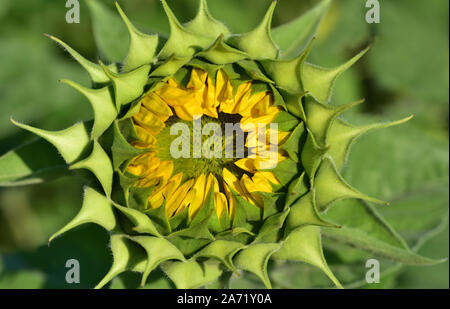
(405, 72)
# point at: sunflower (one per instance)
(212, 152)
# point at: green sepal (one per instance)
(312, 155)
(319, 82)
(141, 222)
(239, 234)
(127, 256)
(205, 212)
(182, 41)
(192, 274)
(121, 150)
(278, 98)
(254, 259)
(102, 103)
(305, 245)
(295, 35)
(304, 212)
(221, 53)
(31, 163)
(258, 43)
(138, 196)
(142, 46)
(272, 224)
(273, 203)
(197, 231)
(218, 225)
(206, 25)
(221, 250)
(286, 121)
(158, 251)
(71, 143)
(286, 171)
(128, 86)
(292, 144)
(159, 218)
(123, 185)
(170, 66)
(331, 187)
(208, 67)
(296, 189)
(245, 211)
(254, 72)
(319, 117)
(287, 73)
(96, 208)
(100, 165)
(95, 71)
(341, 136)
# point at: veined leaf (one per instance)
(293, 37)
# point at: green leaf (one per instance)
(254, 259)
(272, 224)
(304, 245)
(158, 251)
(221, 53)
(126, 256)
(95, 71)
(258, 43)
(182, 41)
(31, 163)
(331, 187)
(319, 82)
(292, 144)
(293, 37)
(286, 122)
(287, 73)
(100, 165)
(142, 46)
(109, 31)
(71, 143)
(128, 86)
(142, 223)
(222, 250)
(192, 274)
(341, 136)
(357, 238)
(96, 209)
(102, 104)
(304, 212)
(206, 25)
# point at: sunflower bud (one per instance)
(214, 153)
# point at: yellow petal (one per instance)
(247, 164)
(175, 200)
(156, 105)
(231, 201)
(148, 121)
(234, 183)
(220, 203)
(197, 202)
(269, 176)
(198, 79)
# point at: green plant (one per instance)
(278, 216)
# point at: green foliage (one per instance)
(193, 254)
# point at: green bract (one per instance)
(197, 252)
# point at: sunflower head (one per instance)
(211, 154)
